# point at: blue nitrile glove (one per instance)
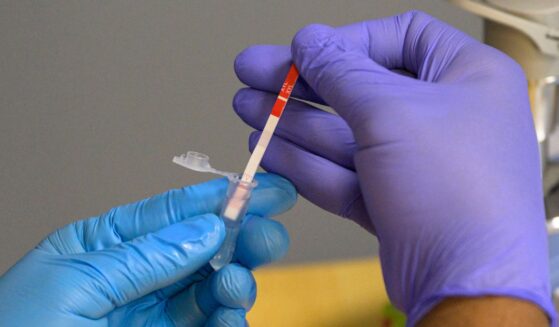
(433, 150)
(145, 263)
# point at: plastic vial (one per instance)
(233, 211)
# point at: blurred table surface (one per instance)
(340, 293)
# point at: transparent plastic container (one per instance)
(233, 211)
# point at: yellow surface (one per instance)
(341, 293)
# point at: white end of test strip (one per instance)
(260, 149)
(236, 204)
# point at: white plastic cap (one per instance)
(199, 162)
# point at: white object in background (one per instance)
(542, 11)
(544, 36)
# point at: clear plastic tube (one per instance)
(232, 212)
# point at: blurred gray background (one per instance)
(97, 96)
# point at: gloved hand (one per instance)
(145, 263)
(433, 150)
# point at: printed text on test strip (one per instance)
(271, 124)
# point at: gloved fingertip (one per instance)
(313, 36)
(239, 63)
(225, 317)
(261, 241)
(207, 227)
(273, 195)
(271, 179)
(252, 105)
(238, 100)
(252, 64)
(234, 286)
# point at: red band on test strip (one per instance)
(278, 107)
(285, 91)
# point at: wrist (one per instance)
(420, 276)
(485, 311)
(496, 280)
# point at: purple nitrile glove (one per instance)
(441, 165)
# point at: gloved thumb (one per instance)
(339, 71)
(130, 270)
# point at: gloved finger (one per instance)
(130, 270)
(225, 317)
(232, 286)
(348, 80)
(404, 42)
(261, 241)
(272, 196)
(324, 183)
(264, 67)
(173, 289)
(410, 42)
(315, 130)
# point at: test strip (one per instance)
(271, 124)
